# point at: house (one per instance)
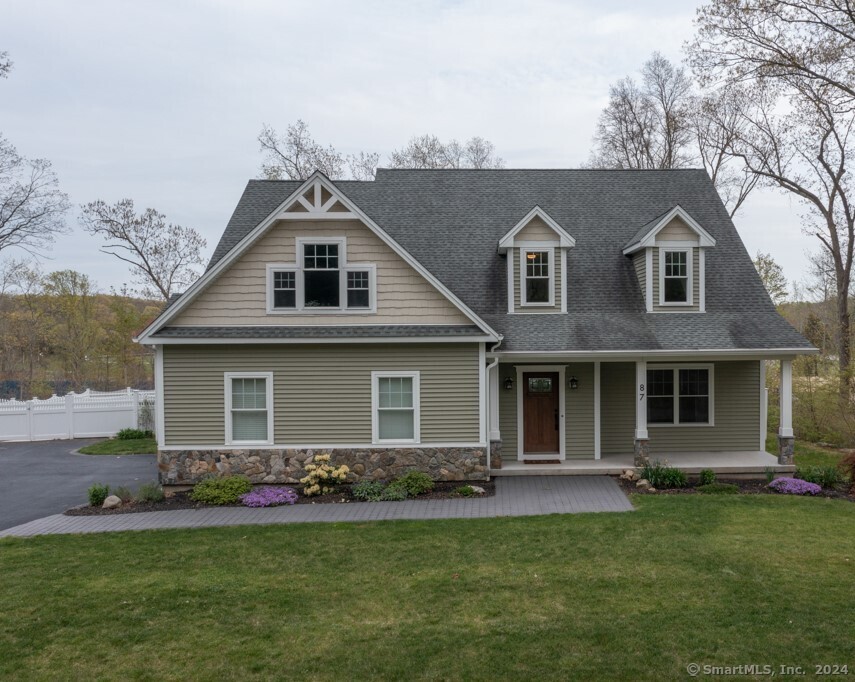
(471, 323)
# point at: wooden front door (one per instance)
(540, 413)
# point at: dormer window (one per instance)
(538, 285)
(675, 287)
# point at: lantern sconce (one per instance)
(574, 383)
(509, 384)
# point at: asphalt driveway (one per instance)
(47, 477)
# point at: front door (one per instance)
(540, 413)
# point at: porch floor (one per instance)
(748, 464)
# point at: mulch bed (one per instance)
(442, 490)
(746, 487)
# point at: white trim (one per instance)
(690, 257)
(676, 367)
(159, 416)
(375, 404)
(614, 355)
(649, 239)
(315, 340)
(527, 369)
(702, 280)
(247, 241)
(785, 429)
(564, 253)
(764, 406)
(648, 276)
(482, 392)
(641, 404)
(523, 276)
(564, 238)
(493, 379)
(321, 446)
(510, 260)
(597, 413)
(227, 388)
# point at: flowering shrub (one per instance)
(322, 477)
(794, 486)
(268, 497)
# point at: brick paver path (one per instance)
(515, 496)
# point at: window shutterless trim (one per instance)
(710, 367)
(689, 251)
(524, 276)
(375, 404)
(227, 387)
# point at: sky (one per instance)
(162, 102)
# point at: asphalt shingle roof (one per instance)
(451, 222)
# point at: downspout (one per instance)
(488, 402)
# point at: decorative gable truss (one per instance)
(317, 202)
(669, 258)
(536, 249)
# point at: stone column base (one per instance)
(642, 452)
(786, 449)
(495, 454)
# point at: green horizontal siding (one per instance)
(617, 407)
(321, 393)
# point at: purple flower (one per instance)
(268, 497)
(794, 486)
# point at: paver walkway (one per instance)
(524, 496)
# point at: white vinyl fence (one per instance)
(76, 415)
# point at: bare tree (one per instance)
(428, 151)
(295, 155)
(363, 166)
(31, 205)
(163, 256)
(772, 276)
(5, 64)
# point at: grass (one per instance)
(685, 578)
(114, 446)
(807, 454)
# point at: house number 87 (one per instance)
(640, 392)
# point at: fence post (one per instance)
(69, 415)
(136, 395)
(29, 404)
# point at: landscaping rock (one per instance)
(643, 483)
(478, 490)
(112, 502)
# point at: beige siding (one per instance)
(696, 269)
(617, 411)
(518, 307)
(536, 231)
(676, 231)
(639, 260)
(238, 296)
(322, 393)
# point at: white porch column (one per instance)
(493, 380)
(641, 399)
(597, 428)
(786, 428)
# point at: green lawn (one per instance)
(114, 446)
(807, 454)
(639, 595)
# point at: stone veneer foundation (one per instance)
(276, 465)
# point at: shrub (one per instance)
(826, 477)
(707, 477)
(464, 491)
(368, 491)
(322, 477)
(770, 474)
(221, 490)
(150, 492)
(269, 497)
(662, 476)
(415, 483)
(847, 466)
(395, 492)
(794, 486)
(97, 494)
(123, 493)
(718, 488)
(133, 434)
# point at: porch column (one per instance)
(494, 435)
(786, 441)
(641, 447)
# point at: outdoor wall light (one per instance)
(574, 383)
(509, 384)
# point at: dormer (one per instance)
(536, 249)
(669, 258)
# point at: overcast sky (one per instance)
(162, 101)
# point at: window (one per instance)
(358, 293)
(284, 289)
(395, 402)
(249, 408)
(680, 395)
(321, 276)
(537, 278)
(675, 280)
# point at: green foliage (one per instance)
(98, 492)
(770, 474)
(718, 489)
(221, 490)
(415, 483)
(707, 476)
(464, 491)
(662, 476)
(322, 477)
(829, 478)
(114, 446)
(133, 434)
(368, 491)
(395, 492)
(150, 492)
(847, 466)
(123, 493)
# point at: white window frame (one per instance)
(533, 248)
(375, 404)
(710, 367)
(227, 389)
(343, 267)
(689, 251)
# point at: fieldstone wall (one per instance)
(642, 452)
(186, 467)
(786, 450)
(495, 454)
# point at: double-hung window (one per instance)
(395, 407)
(537, 277)
(675, 276)
(680, 395)
(249, 408)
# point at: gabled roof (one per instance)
(646, 235)
(564, 238)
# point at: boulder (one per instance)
(112, 502)
(478, 490)
(643, 483)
